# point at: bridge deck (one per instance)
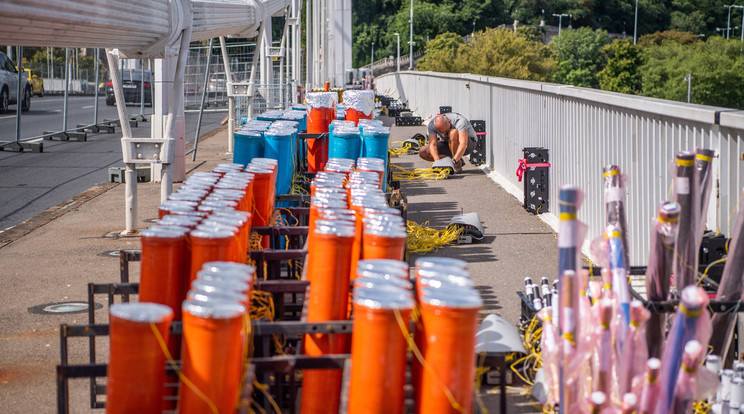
(67, 246)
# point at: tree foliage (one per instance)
(716, 65)
(580, 56)
(442, 54)
(492, 52)
(622, 72)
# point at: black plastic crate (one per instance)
(535, 155)
(445, 109)
(478, 156)
(408, 121)
(478, 125)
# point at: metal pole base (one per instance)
(22, 146)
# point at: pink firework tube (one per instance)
(603, 376)
(568, 334)
(630, 403)
(607, 283)
(598, 401)
(634, 351)
(549, 353)
(651, 387)
(686, 389)
(687, 195)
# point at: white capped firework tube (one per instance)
(568, 335)
(730, 288)
(704, 166)
(614, 193)
(630, 403)
(692, 322)
(619, 273)
(687, 195)
(651, 387)
(659, 270)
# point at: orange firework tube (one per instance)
(262, 204)
(378, 351)
(207, 245)
(165, 263)
(242, 220)
(317, 203)
(328, 270)
(136, 369)
(384, 242)
(320, 112)
(188, 222)
(450, 316)
(360, 104)
(213, 340)
(354, 116)
(391, 265)
(446, 275)
(173, 206)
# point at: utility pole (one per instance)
(728, 21)
(635, 25)
(372, 60)
(397, 60)
(410, 44)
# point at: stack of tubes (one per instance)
(213, 348)
(357, 238)
(600, 350)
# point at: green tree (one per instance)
(659, 38)
(580, 56)
(621, 74)
(506, 54)
(442, 54)
(717, 69)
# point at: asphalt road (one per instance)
(32, 182)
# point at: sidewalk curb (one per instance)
(14, 233)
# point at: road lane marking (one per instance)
(88, 107)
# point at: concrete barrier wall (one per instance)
(586, 129)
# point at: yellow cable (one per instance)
(263, 388)
(422, 239)
(179, 373)
(432, 174)
(425, 364)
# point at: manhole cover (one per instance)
(62, 308)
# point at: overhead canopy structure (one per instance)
(138, 28)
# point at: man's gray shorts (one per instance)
(443, 147)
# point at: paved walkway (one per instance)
(52, 257)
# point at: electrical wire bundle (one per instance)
(431, 174)
(423, 239)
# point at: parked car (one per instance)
(9, 86)
(217, 84)
(37, 82)
(132, 82)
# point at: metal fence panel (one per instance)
(586, 129)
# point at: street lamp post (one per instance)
(635, 25)
(410, 44)
(728, 21)
(372, 57)
(688, 79)
(397, 60)
(560, 22)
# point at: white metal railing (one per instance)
(586, 129)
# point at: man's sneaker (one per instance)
(458, 165)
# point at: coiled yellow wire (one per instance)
(432, 174)
(403, 149)
(422, 239)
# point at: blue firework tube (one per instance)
(614, 193)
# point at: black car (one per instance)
(132, 82)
